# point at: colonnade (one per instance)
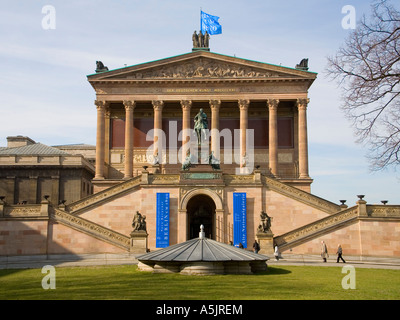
(215, 105)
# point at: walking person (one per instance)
(256, 246)
(324, 251)
(339, 254)
(276, 253)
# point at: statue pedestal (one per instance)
(138, 242)
(266, 241)
(200, 49)
(201, 153)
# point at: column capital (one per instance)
(158, 104)
(215, 104)
(101, 104)
(243, 104)
(186, 104)
(107, 112)
(273, 103)
(302, 103)
(129, 104)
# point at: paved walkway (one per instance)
(356, 264)
(25, 262)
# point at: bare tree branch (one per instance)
(367, 68)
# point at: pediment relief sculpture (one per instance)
(202, 68)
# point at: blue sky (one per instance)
(45, 94)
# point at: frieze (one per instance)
(203, 68)
(207, 87)
(301, 195)
(238, 179)
(201, 176)
(98, 197)
(383, 211)
(164, 179)
(91, 228)
(201, 90)
(21, 211)
(318, 226)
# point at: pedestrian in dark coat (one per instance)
(339, 254)
(256, 246)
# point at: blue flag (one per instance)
(210, 24)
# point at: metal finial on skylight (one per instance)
(202, 235)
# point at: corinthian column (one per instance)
(100, 136)
(303, 141)
(186, 107)
(243, 106)
(129, 106)
(273, 135)
(215, 105)
(158, 106)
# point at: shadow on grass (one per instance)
(7, 272)
(272, 271)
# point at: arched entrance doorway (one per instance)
(201, 211)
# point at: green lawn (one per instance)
(126, 282)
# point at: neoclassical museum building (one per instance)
(196, 139)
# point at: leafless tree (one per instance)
(367, 68)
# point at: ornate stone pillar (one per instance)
(303, 141)
(158, 106)
(129, 107)
(243, 106)
(273, 135)
(186, 107)
(215, 147)
(100, 138)
(107, 128)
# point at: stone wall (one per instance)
(24, 237)
(102, 223)
(365, 238)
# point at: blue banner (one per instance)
(239, 219)
(162, 228)
(209, 23)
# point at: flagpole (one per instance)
(200, 17)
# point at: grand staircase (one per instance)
(70, 215)
(90, 228)
(337, 218)
(317, 228)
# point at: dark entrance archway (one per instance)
(201, 211)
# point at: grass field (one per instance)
(126, 282)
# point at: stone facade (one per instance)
(271, 167)
(102, 222)
(29, 171)
(266, 101)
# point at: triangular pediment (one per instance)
(202, 66)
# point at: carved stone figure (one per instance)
(214, 162)
(201, 40)
(195, 39)
(100, 67)
(206, 41)
(156, 159)
(200, 124)
(265, 224)
(303, 65)
(187, 163)
(204, 68)
(139, 222)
